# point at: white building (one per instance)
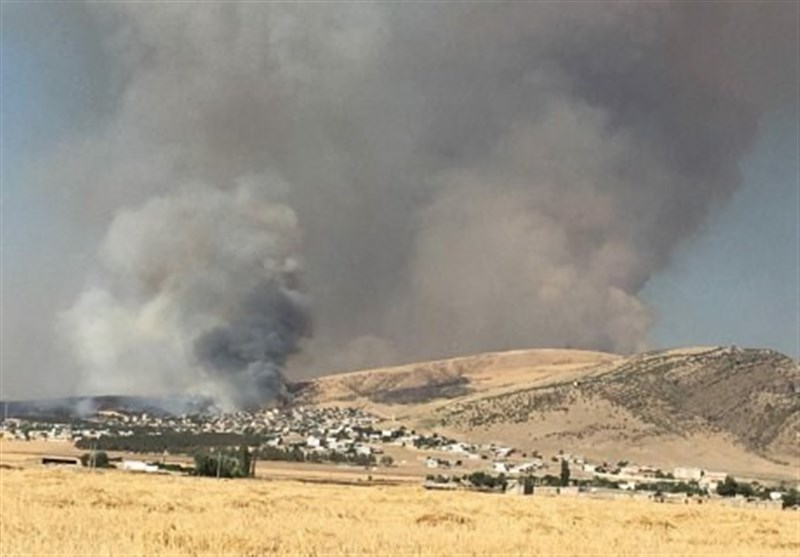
(630, 470)
(138, 466)
(501, 467)
(457, 447)
(333, 443)
(313, 442)
(711, 480)
(688, 474)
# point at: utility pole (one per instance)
(219, 464)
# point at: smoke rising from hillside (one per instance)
(200, 290)
(466, 178)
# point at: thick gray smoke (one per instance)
(199, 290)
(466, 176)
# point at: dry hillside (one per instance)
(434, 382)
(715, 406)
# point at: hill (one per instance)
(721, 407)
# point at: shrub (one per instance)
(746, 490)
(728, 488)
(228, 464)
(690, 488)
(96, 459)
(790, 499)
(482, 479)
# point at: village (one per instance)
(351, 437)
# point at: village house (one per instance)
(711, 480)
(648, 471)
(459, 447)
(527, 467)
(364, 450)
(313, 442)
(687, 474)
(629, 470)
(502, 467)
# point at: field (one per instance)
(79, 512)
(409, 465)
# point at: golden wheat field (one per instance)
(76, 512)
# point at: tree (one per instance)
(235, 464)
(728, 488)
(244, 461)
(482, 479)
(746, 490)
(564, 473)
(527, 485)
(95, 459)
(791, 499)
(502, 482)
(387, 460)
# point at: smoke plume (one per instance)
(467, 177)
(200, 289)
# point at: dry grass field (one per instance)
(77, 512)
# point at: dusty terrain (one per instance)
(409, 464)
(721, 408)
(78, 512)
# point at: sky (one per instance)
(737, 282)
(731, 278)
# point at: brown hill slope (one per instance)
(428, 382)
(713, 406)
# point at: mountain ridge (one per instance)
(743, 401)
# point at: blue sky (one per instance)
(52, 88)
(737, 282)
